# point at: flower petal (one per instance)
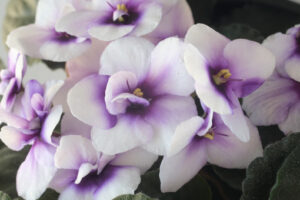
(226, 150)
(78, 149)
(128, 133)
(133, 55)
(29, 39)
(292, 68)
(117, 181)
(250, 62)
(119, 83)
(50, 123)
(51, 88)
(109, 32)
(282, 46)
(184, 134)
(169, 27)
(150, 19)
(209, 42)
(236, 121)
(62, 179)
(137, 158)
(173, 170)
(84, 170)
(167, 69)
(14, 138)
(164, 114)
(198, 68)
(86, 102)
(271, 103)
(291, 124)
(86, 19)
(60, 51)
(36, 172)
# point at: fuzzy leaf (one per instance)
(263, 173)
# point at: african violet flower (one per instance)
(175, 22)
(42, 40)
(112, 19)
(140, 96)
(224, 71)
(277, 100)
(87, 174)
(201, 140)
(32, 122)
(11, 79)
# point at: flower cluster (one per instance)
(135, 68)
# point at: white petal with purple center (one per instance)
(86, 102)
(130, 131)
(167, 69)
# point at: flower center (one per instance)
(121, 11)
(222, 76)
(138, 92)
(210, 135)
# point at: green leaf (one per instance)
(233, 177)
(287, 184)
(139, 196)
(196, 189)
(4, 196)
(9, 164)
(278, 161)
(18, 13)
(236, 30)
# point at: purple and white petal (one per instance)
(84, 170)
(133, 55)
(168, 27)
(36, 172)
(137, 157)
(292, 68)
(152, 14)
(167, 69)
(226, 150)
(116, 181)
(271, 103)
(184, 134)
(291, 124)
(86, 102)
(209, 42)
(198, 67)
(78, 149)
(86, 19)
(130, 132)
(164, 114)
(62, 179)
(50, 122)
(13, 120)
(29, 39)
(13, 138)
(76, 193)
(9, 95)
(119, 83)
(87, 63)
(51, 88)
(282, 46)
(249, 62)
(110, 32)
(236, 121)
(177, 170)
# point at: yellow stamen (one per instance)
(222, 76)
(138, 92)
(209, 135)
(122, 7)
